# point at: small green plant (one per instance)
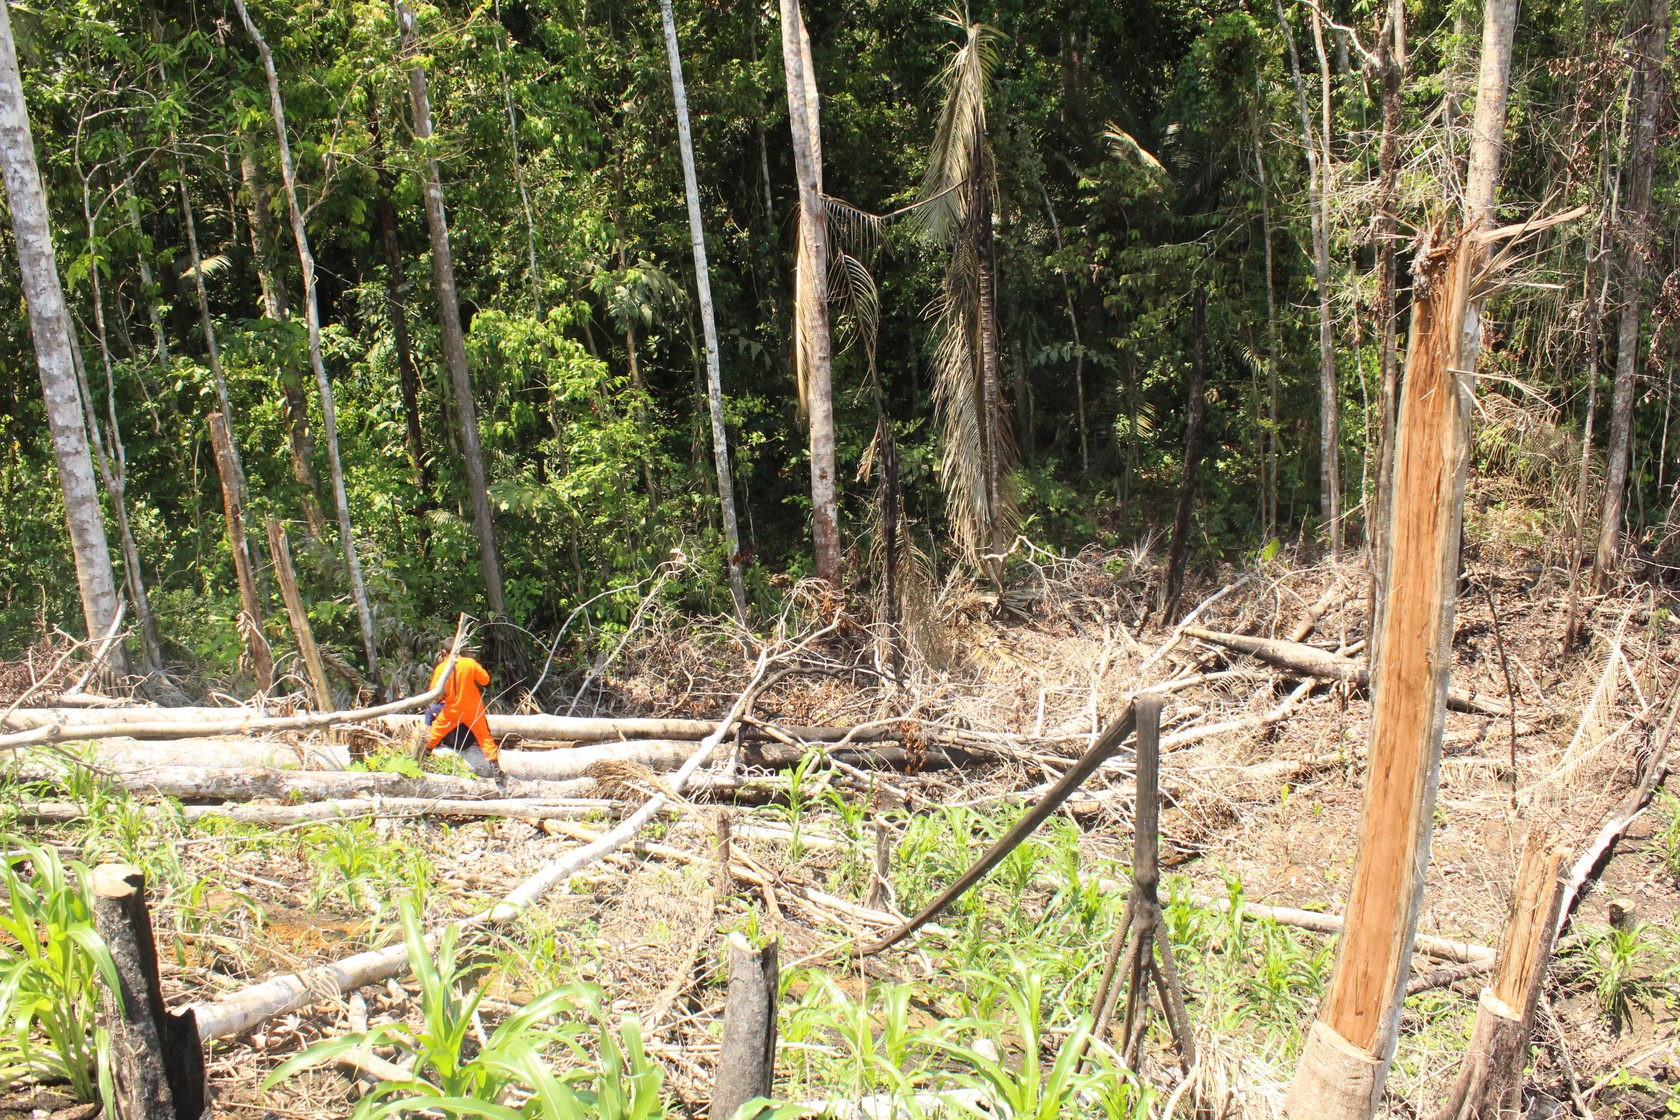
(357, 869)
(52, 962)
(1667, 841)
(1610, 959)
(513, 1064)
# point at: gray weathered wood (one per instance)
(747, 1059)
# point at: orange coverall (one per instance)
(463, 706)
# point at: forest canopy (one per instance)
(433, 269)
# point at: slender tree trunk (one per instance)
(449, 313)
(212, 348)
(277, 307)
(49, 324)
(113, 468)
(1329, 440)
(1651, 46)
(148, 282)
(1197, 412)
(408, 376)
(312, 319)
(708, 322)
(993, 432)
(1583, 478)
(251, 613)
(1269, 454)
(519, 169)
(1078, 343)
(1391, 68)
(813, 307)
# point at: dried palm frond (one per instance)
(208, 267)
(977, 455)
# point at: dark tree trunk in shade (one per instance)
(1196, 415)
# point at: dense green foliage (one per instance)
(1140, 151)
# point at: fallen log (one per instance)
(239, 1012)
(1311, 661)
(523, 808)
(1440, 948)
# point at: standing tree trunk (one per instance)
(1651, 47)
(1329, 425)
(113, 467)
(408, 377)
(449, 314)
(49, 325)
(1192, 457)
(232, 466)
(278, 308)
(312, 319)
(708, 322)
(1391, 67)
(812, 344)
(250, 621)
(519, 167)
(1344, 1063)
(1583, 477)
(1269, 455)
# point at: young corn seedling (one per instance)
(52, 962)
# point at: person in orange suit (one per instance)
(460, 716)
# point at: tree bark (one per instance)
(449, 316)
(49, 325)
(812, 305)
(408, 377)
(1583, 477)
(235, 479)
(1329, 427)
(1651, 47)
(156, 1058)
(312, 319)
(280, 551)
(747, 1060)
(1344, 1063)
(708, 319)
(250, 622)
(1197, 397)
(277, 307)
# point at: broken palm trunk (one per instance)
(747, 1060)
(1144, 929)
(1344, 1062)
(1490, 1083)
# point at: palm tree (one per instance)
(978, 456)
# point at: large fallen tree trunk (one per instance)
(1311, 661)
(523, 808)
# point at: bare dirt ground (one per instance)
(1042, 667)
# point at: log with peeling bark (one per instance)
(1297, 657)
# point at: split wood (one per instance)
(1490, 1082)
(1144, 928)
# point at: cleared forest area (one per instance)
(616, 969)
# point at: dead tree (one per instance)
(747, 1060)
(1143, 930)
(281, 551)
(1344, 1063)
(1490, 1083)
(156, 1058)
(250, 613)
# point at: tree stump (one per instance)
(747, 1058)
(156, 1057)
